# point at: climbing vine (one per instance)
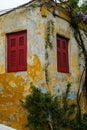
(77, 21)
(49, 34)
(77, 18)
(48, 45)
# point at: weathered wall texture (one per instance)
(15, 86)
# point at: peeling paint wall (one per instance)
(15, 86)
(58, 81)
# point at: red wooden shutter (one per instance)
(59, 58)
(17, 51)
(22, 51)
(65, 64)
(12, 53)
(62, 55)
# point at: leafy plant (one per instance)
(80, 126)
(83, 7)
(47, 112)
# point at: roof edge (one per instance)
(18, 7)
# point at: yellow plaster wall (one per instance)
(15, 86)
(35, 70)
(13, 89)
(44, 10)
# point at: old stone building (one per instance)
(36, 46)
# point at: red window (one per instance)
(17, 51)
(62, 55)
